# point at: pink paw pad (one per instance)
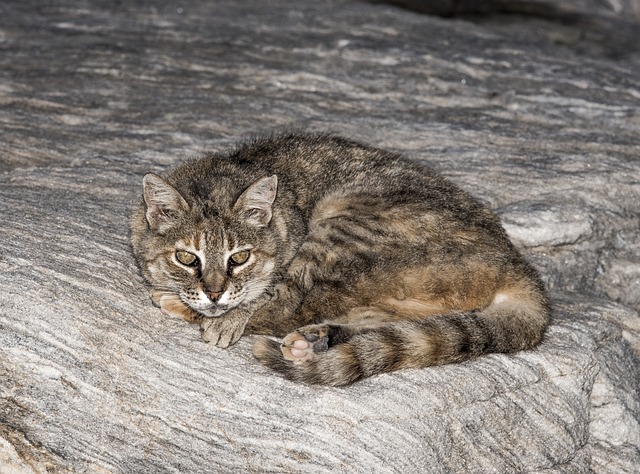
(299, 348)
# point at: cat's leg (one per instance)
(291, 309)
(227, 329)
(276, 316)
(171, 305)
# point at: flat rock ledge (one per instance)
(94, 378)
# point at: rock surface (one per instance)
(535, 115)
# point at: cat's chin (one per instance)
(213, 312)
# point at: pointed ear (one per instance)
(254, 205)
(164, 204)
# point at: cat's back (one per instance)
(310, 166)
(317, 164)
(326, 158)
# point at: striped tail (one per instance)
(514, 321)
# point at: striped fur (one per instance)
(364, 262)
(355, 352)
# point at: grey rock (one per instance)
(537, 116)
(532, 225)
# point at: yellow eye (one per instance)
(186, 258)
(239, 258)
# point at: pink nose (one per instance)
(214, 295)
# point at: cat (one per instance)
(364, 261)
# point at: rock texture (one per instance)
(538, 115)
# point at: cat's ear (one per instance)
(163, 203)
(254, 205)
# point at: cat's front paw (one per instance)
(305, 343)
(171, 305)
(223, 331)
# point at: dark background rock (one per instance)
(537, 113)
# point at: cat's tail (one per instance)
(515, 320)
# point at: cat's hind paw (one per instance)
(305, 344)
(316, 363)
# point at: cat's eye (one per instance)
(186, 258)
(239, 258)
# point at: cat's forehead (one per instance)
(210, 237)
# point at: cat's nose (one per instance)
(214, 295)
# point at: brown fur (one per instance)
(365, 261)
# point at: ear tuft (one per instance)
(255, 203)
(164, 204)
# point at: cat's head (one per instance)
(214, 252)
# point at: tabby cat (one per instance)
(364, 261)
